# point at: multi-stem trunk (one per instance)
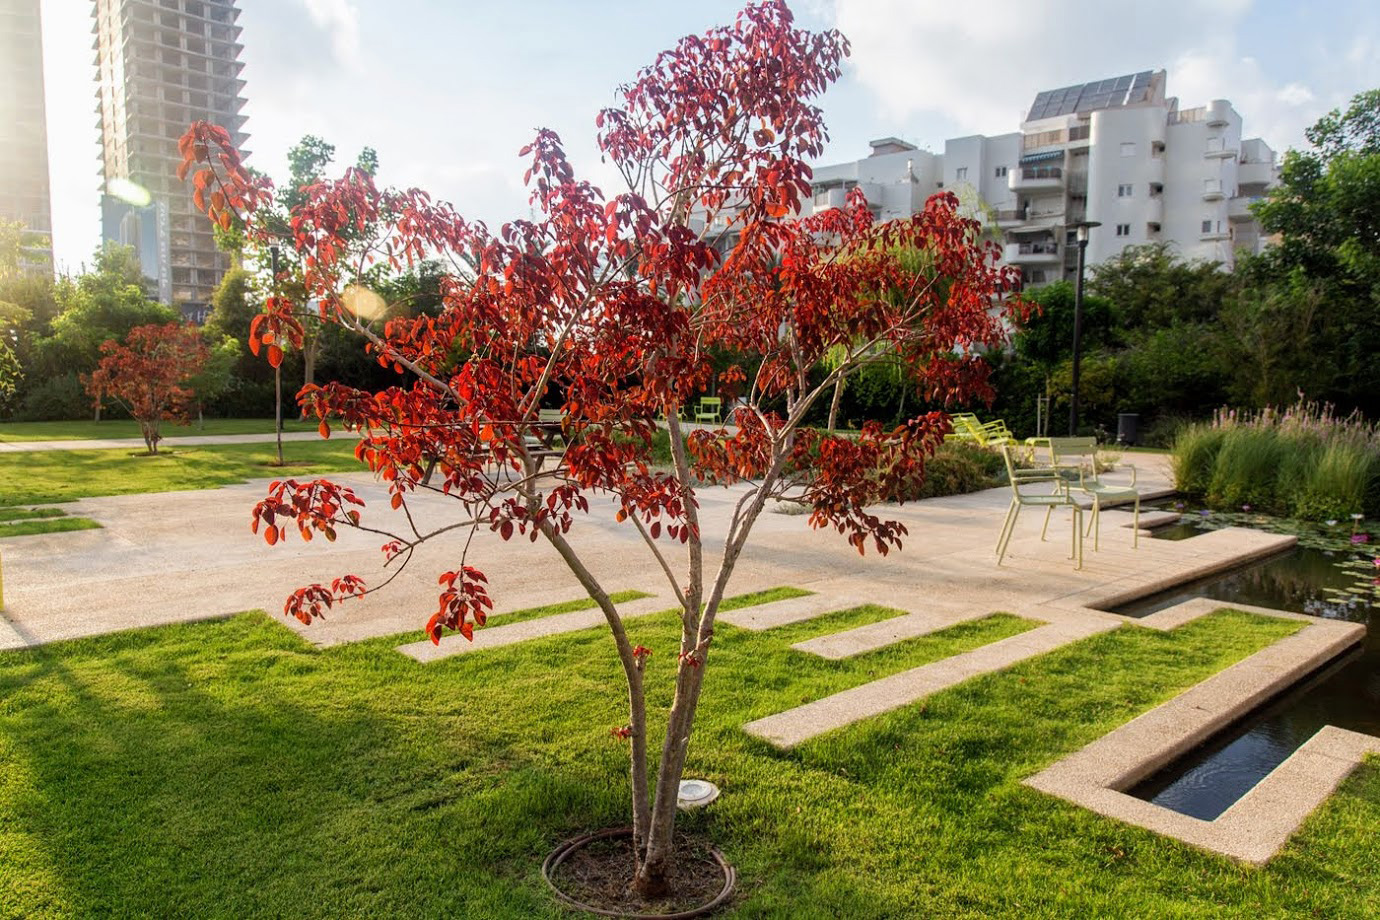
(655, 862)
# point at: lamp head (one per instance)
(1082, 228)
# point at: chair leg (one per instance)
(1096, 525)
(1135, 525)
(1005, 525)
(1015, 513)
(1078, 536)
(1045, 529)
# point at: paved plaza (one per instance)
(184, 556)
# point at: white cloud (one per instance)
(1295, 94)
(340, 19)
(979, 66)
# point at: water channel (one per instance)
(1346, 692)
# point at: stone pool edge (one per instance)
(1258, 824)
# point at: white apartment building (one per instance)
(1116, 151)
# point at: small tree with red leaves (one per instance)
(613, 303)
(150, 375)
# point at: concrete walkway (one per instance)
(180, 556)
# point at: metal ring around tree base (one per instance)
(559, 854)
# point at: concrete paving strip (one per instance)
(497, 635)
(795, 726)
(887, 632)
(1255, 827)
(793, 610)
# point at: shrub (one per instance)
(1247, 469)
(56, 399)
(957, 469)
(1195, 454)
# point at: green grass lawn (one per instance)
(24, 522)
(230, 769)
(128, 428)
(63, 475)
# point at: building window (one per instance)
(1128, 149)
(961, 173)
(822, 196)
(1123, 191)
(1207, 226)
(1001, 172)
(1123, 229)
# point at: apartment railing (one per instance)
(1042, 172)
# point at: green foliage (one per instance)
(1152, 287)
(1195, 456)
(217, 374)
(59, 396)
(1304, 462)
(1097, 389)
(1047, 337)
(11, 375)
(103, 304)
(957, 468)
(1246, 469)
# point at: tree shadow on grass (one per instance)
(214, 775)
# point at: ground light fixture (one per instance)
(1081, 229)
(696, 793)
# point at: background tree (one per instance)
(150, 375)
(100, 305)
(614, 303)
(1326, 215)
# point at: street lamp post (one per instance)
(1082, 228)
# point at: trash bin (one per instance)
(1126, 425)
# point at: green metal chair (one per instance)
(708, 410)
(1039, 478)
(1076, 461)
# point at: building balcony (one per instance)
(1042, 253)
(1218, 148)
(1216, 113)
(1213, 190)
(1033, 178)
(1239, 209)
(1250, 172)
(1214, 235)
(1154, 209)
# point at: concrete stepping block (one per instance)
(873, 636)
(1149, 520)
(791, 610)
(499, 635)
(802, 723)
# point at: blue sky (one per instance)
(448, 90)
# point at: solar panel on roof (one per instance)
(1087, 97)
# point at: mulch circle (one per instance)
(592, 873)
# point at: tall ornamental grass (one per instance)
(1304, 461)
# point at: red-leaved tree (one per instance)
(612, 302)
(149, 375)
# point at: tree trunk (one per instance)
(309, 348)
(834, 404)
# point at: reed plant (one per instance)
(1305, 461)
